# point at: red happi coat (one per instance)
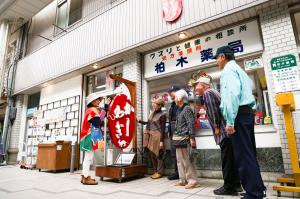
(86, 141)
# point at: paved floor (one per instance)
(16, 183)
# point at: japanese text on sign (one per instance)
(201, 50)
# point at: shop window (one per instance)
(158, 88)
(296, 24)
(75, 11)
(100, 81)
(68, 12)
(33, 103)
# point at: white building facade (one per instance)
(73, 45)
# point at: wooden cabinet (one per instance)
(56, 156)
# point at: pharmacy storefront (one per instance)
(179, 64)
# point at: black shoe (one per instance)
(239, 189)
(223, 191)
(174, 176)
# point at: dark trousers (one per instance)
(229, 168)
(157, 163)
(174, 159)
(243, 142)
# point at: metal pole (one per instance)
(105, 141)
(72, 157)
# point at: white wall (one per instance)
(62, 90)
(279, 40)
(121, 28)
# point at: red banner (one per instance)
(121, 121)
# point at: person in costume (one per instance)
(91, 137)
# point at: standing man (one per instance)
(237, 106)
(212, 101)
(172, 121)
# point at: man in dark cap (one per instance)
(237, 107)
(172, 120)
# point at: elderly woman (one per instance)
(184, 136)
(154, 137)
(91, 137)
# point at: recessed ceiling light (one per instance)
(181, 35)
(95, 66)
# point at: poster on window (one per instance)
(202, 121)
(162, 95)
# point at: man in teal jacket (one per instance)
(237, 107)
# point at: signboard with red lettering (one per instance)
(171, 9)
(121, 120)
(244, 39)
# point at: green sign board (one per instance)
(285, 61)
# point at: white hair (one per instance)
(181, 95)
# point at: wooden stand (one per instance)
(121, 172)
(126, 171)
(56, 156)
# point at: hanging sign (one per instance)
(285, 73)
(121, 119)
(171, 9)
(244, 39)
(252, 64)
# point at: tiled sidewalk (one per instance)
(16, 183)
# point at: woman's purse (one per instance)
(181, 140)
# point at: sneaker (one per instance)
(156, 176)
(223, 191)
(192, 185)
(180, 183)
(174, 176)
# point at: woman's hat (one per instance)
(160, 102)
(91, 97)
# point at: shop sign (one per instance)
(30, 111)
(253, 64)
(285, 73)
(244, 39)
(171, 9)
(121, 120)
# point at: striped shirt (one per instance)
(212, 101)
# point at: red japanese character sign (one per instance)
(121, 121)
(171, 9)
